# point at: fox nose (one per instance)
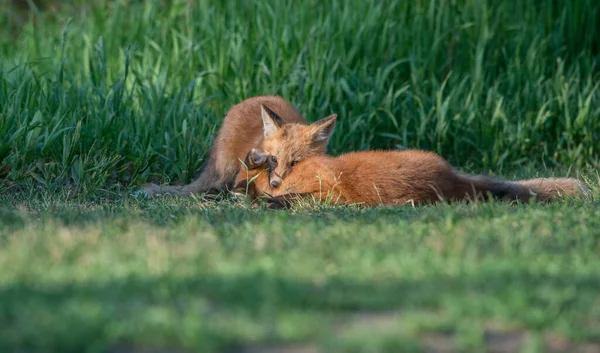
(275, 183)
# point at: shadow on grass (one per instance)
(74, 317)
(171, 212)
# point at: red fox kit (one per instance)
(255, 122)
(288, 144)
(390, 178)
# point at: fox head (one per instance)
(286, 144)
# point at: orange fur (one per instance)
(291, 143)
(267, 122)
(394, 178)
(242, 130)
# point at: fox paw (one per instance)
(150, 190)
(238, 194)
(256, 158)
(141, 194)
(278, 203)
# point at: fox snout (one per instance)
(275, 182)
(275, 178)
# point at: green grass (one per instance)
(130, 91)
(185, 274)
(133, 91)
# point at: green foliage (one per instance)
(135, 90)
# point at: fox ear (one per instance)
(271, 121)
(323, 129)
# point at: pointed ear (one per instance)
(323, 129)
(271, 121)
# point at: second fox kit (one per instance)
(391, 178)
(248, 125)
(374, 177)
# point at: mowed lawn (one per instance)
(99, 97)
(191, 275)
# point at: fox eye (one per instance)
(273, 159)
(294, 162)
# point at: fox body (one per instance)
(255, 122)
(390, 178)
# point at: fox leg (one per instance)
(208, 182)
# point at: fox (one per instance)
(254, 123)
(389, 178)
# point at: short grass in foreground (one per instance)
(128, 275)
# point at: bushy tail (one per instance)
(543, 189)
(549, 188)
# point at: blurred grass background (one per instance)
(100, 96)
(103, 94)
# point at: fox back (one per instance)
(369, 177)
(397, 178)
